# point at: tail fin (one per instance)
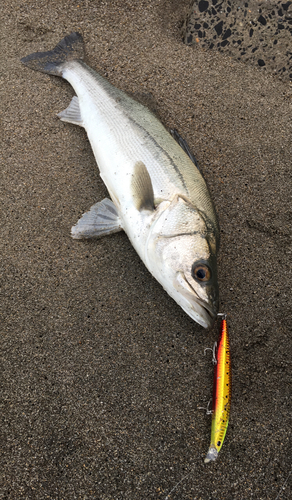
(68, 49)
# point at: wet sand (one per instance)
(102, 374)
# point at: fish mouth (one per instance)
(196, 308)
(207, 316)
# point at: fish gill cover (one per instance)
(256, 31)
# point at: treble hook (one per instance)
(214, 360)
(208, 412)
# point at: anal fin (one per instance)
(72, 114)
(102, 219)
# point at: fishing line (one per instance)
(174, 488)
(284, 485)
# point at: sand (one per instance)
(102, 374)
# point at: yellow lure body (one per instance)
(221, 393)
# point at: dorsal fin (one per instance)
(184, 145)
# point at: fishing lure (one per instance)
(221, 392)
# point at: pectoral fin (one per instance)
(102, 219)
(141, 187)
(72, 114)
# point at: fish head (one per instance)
(182, 248)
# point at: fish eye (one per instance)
(201, 272)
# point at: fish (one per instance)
(157, 194)
(221, 402)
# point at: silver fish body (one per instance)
(159, 197)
